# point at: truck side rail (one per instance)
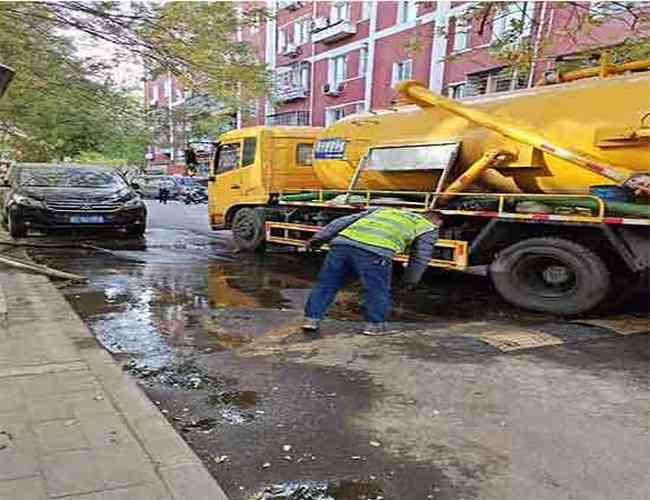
(371, 198)
(452, 253)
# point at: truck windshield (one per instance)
(228, 157)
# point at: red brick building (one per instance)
(334, 58)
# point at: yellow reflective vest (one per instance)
(388, 228)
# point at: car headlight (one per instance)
(134, 202)
(330, 149)
(26, 201)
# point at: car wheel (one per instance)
(136, 230)
(551, 275)
(248, 229)
(16, 227)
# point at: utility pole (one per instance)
(172, 153)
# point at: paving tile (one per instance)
(11, 400)
(106, 430)
(59, 435)
(139, 492)
(17, 449)
(58, 383)
(86, 471)
(30, 488)
(67, 406)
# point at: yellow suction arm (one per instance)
(423, 97)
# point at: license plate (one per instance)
(86, 219)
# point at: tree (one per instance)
(58, 105)
(520, 35)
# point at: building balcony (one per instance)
(290, 118)
(334, 32)
(293, 93)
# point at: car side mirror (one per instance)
(135, 186)
(212, 178)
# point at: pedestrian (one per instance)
(163, 194)
(363, 246)
(190, 160)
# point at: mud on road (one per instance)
(475, 400)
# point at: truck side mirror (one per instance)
(212, 178)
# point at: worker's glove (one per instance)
(314, 244)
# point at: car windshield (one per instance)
(82, 177)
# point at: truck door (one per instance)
(228, 179)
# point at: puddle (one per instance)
(184, 375)
(323, 490)
(240, 399)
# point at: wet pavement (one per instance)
(475, 400)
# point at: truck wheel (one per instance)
(248, 229)
(16, 227)
(551, 275)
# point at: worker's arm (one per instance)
(337, 225)
(420, 255)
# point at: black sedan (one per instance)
(47, 197)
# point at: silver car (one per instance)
(149, 185)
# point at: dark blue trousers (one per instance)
(343, 264)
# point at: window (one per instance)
(340, 12)
(334, 114)
(168, 88)
(512, 21)
(406, 11)
(304, 154)
(304, 75)
(456, 90)
(366, 10)
(499, 80)
(284, 39)
(302, 31)
(402, 70)
(154, 93)
(363, 61)
(462, 34)
(228, 157)
(248, 155)
(338, 70)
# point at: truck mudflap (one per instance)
(449, 254)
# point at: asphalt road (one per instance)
(473, 400)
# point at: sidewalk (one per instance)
(72, 424)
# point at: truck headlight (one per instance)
(330, 149)
(26, 201)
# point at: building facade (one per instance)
(335, 58)
(331, 59)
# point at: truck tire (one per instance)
(551, 275)
(16, 227)
(248, 229)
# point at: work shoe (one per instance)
(310, 325)
(377, 330)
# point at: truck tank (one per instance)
(604, 119)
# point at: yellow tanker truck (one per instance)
(545, 190)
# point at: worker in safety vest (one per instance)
(363, 246)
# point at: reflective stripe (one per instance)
(388, 228)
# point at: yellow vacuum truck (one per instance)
(545, 190)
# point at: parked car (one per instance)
(149, 185)
(48, 197)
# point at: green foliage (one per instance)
(58, 105)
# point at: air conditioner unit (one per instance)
(291, 50)
(320, 23)
(293, 5)
(333, 90)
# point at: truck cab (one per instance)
(250, 168)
